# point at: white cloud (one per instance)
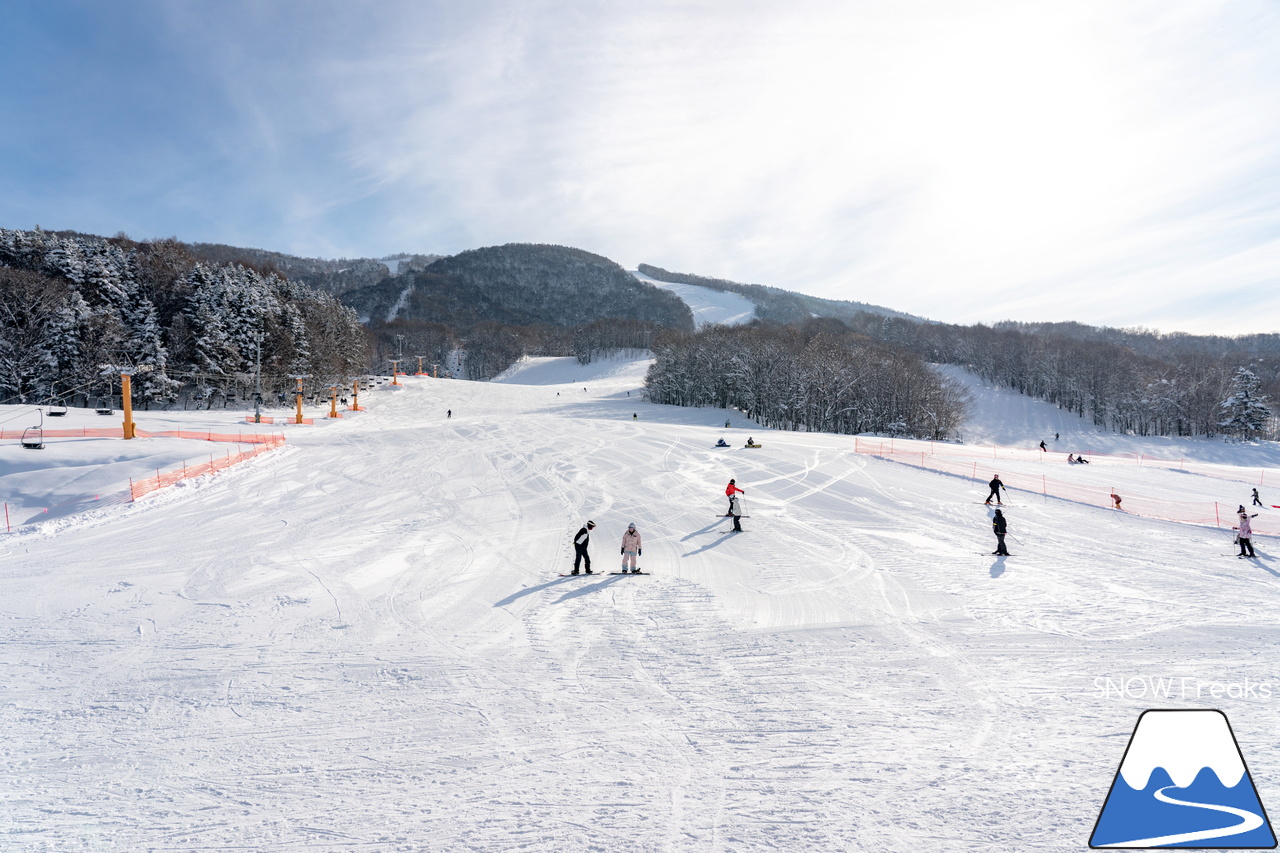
(1112, 163)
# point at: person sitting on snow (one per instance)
(722, 443)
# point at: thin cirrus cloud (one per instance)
(1108, 163)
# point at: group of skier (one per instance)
(631, 538)
(630, 549)
(1000, 525)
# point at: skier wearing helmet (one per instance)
(630, 548)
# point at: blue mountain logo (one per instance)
(1183, 783)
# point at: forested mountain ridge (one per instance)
(75, 310)
(192, 317)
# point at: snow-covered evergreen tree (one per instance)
(67, 346)
(1245, 411)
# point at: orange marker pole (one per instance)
(126, 395)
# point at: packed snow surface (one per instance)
(361, 642)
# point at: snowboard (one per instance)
(582, 575)
(628, 573)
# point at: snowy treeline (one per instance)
(820, 376)
(605, 337)
(79, 309)
(1146, 385)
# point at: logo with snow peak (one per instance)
(1183, 783)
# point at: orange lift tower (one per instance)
(126, 402)
(298, 398)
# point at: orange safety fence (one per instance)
(1209, 513)
(1234, 473)
(118, 432)
(289, 421)
(138, 488)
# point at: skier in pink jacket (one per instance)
(630, 548)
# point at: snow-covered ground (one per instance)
(361, 642)
(708, 306)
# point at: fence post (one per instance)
(1216, 519)
(131, 497)
(1044, 485)
(6, 518)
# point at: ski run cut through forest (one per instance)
(359, 640)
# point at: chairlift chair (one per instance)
(104, 407)
(57, 409)
(35, 442)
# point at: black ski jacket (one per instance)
(999, 525)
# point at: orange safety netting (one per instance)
(118, 432)
(1209, 513)
(138, 488)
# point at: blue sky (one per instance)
(1111, 163)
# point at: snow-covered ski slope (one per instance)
(361, 642)
(708, 306)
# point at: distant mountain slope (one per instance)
(719, 307)
(774, 303)
(336, 276)
(521, 284)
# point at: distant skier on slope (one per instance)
(1000, 527)
(1244, 533)
(631, 548)
(729, 491)
(581, 540)
(1043, 447)
(735, 510)
(1115, 499)
(1257, 501)
(996, 485)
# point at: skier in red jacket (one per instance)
(731, 490)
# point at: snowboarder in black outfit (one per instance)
(996, 486)
(735, 509)
(1001, 527)
(580, 541)
(1043, 447)
(1257, 501)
